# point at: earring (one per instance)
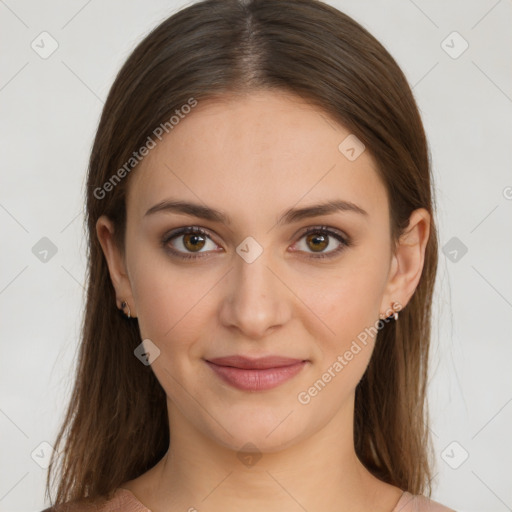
(395, 307)
(125, 305)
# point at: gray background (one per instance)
(50, 108)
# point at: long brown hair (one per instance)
(116, 424)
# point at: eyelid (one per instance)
(176, 233)
(344, 240)
(332, 232)
(322, 227)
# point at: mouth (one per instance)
(256, 374)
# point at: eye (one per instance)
(193, 239)
(318, 237)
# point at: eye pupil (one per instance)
(192, 238)
(316, 237)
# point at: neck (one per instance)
(319, 472)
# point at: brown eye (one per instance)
(318, 242)
(318, 239)
(189, 242)
(193, 242)
(184, 242)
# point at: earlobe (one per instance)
(116, 264)
(408, 260)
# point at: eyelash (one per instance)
(325, 230)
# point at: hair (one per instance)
(116, 426)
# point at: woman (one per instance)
(262, 260)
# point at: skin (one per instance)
(253, 157)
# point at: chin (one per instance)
(258, 431)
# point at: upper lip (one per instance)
(255, 364)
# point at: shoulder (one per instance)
(121, 500)
(73, 506)
(419, 503)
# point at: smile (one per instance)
(257, 375)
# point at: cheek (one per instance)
(346, 304)
(172, 301)
(335, 304)
(347, 301)
(347, 352)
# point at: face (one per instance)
(258, 281)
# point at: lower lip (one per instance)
(256, 380)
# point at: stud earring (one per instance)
(395, 307)
(125, 305)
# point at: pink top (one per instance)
(124, 500)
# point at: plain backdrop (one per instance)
(456, 55)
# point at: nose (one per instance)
(256, 300)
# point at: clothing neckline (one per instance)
(128, 495)
(403, 500)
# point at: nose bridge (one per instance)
(255, 299)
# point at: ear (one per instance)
(116, 264)
(407, 262)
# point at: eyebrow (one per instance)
(288, 217)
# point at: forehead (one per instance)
(253, 156)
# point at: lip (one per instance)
(256, 374)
